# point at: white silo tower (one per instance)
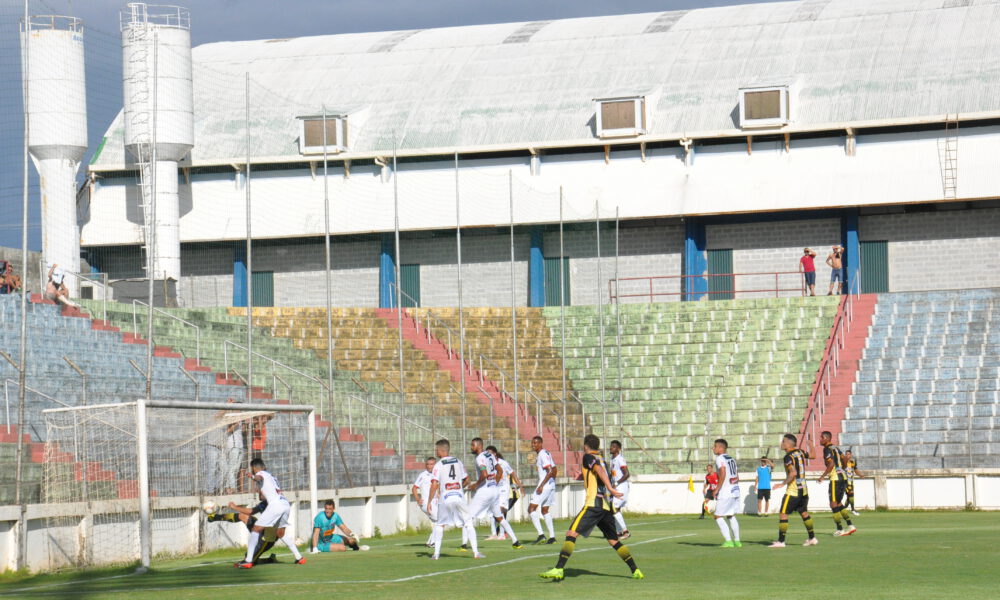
(156, 53)
(57, 131)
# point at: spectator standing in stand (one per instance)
(808, 269)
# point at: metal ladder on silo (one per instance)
(949, 158)
(140, 123)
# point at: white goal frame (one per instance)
(142, 451)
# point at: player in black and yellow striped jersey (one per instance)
(598, 511)
(837, 472)
(851, 466)
(796, 493)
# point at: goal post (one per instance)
(131, 477)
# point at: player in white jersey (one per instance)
(545, 492)
(275, 515)
(510, 490)
(727, 495)
(487, 488)
(421, 494)
(619, 478)
(448, 481)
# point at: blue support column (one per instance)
(239, 276)
(852, 248)
(387, 272)
(695, 261)
(536, 269)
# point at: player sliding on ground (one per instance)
(325, 537)
(247, 516)
(796, 493)
(597, 512)
(275, 515)
(837, 472)
(545, 493)
(727, 495)
(448, 480)
(487, 489)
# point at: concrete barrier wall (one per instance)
(61, 535)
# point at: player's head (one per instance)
(848, 455)
(615, 447)
(789, 442)
(442, 447)
(763, 460)
(536, 443)
(328, 507)
(257, 465)
(477, 445)
(709, 468)
(591, 442)
(493, 450)
(429, 463)
(826, 438)
(720, 446)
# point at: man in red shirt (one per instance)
(808, 269)
(708, 490)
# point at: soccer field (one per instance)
(894, 555)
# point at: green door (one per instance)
(552, 277)
(720, 262)
(874, 267)
(263, 288)
(409, 278)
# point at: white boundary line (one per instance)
(328, 582)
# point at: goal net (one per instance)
(127, 482)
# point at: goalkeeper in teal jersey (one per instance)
(325, 537)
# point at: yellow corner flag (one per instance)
(691, 483)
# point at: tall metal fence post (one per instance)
(600, 317)
(461, 318)
(399, 311)
(513, 318)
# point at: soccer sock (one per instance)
(847, 516)
(724, 528)
(735, 525)
(252, 545)
(536, 520)
(850, 501)
(837, 518)
(465, 535)
(471, 531)
(782, 529)
(809, 526)
(704, 507)
(621, 522)
(289, 541)
(625, 555)
(230, 517)
(437, 534)
(508, 530)
(566, 552)
(550, 525)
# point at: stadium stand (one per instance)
(694, 371)
(931, 359)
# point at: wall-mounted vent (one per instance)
(312, 135)
(764, 107)
(620, 117)
(664, 21)
(525, 32)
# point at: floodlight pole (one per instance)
(461, 318)
(22, 523)
(142, 457)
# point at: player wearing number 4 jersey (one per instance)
(275, 515)
(837, 472)
(598, 511)
(448, 481)
(727, 495)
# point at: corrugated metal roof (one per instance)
(532, 84)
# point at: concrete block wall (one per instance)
(644, 251)
(938, 250)
(771, 247)
(299, 278)
(206, 277)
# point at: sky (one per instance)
(230, 20)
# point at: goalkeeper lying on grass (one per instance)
(325, 537)
(246, 515)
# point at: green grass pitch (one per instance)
(923, 555)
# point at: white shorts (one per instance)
(503, 499)
(546, 498)
(453, 511)
(275, 515)
(620, 503)
(727, 507)
(484, 503)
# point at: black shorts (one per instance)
(591, 517)
(710, 495)
(790, 504)
(764, 494)
(837, 489)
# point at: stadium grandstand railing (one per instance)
(726, 286)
